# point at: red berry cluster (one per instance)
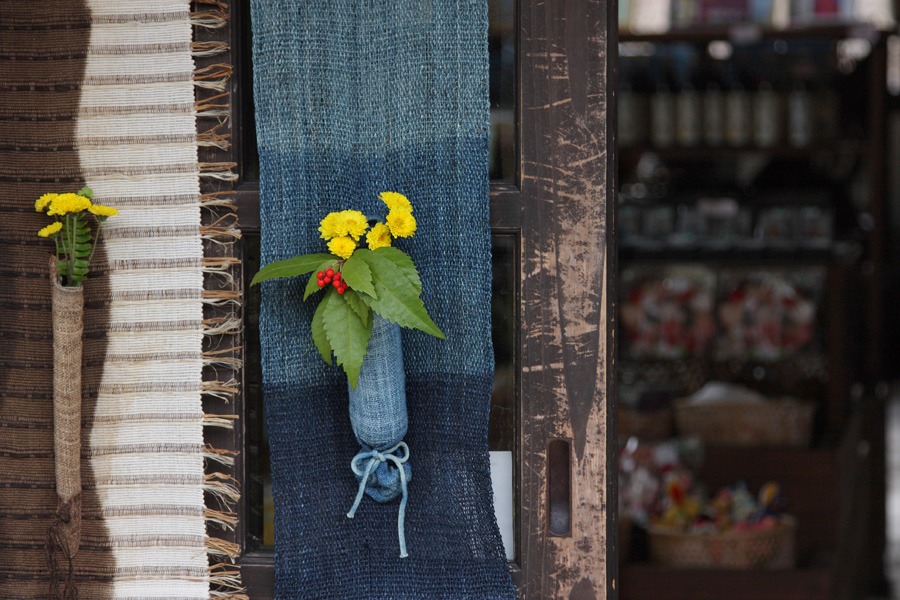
(332, 277)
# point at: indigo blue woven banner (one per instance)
(354, 98)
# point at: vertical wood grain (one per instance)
(565, 355)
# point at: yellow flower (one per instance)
(43, 201)
(329, 226)
(379, 236)
(345, 223)
(342, 246)
(50, 229)
(402, 223)
(395, 201)
(354, 223)
(68, 203)
(102, 211)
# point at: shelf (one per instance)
(752, 33)
(653, 582)
(793, 255)
(834, 148)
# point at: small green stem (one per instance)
(96, 239)
(71, 224)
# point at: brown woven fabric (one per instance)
(31, 118)
(82, 103)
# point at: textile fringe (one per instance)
(213, 77)
(219, 357)
(225, 579)
(220, 547)
(224, 421)
(212, 138)
(228, 577)
(221, 325)
(226, 520)
(224, 488)
(228, 595)
(225, 457)
(223, 199)
(220, 389)
(199, 49)
(212, 107)
(209, 19)
(223, 227)
(220, 267)
(221, 171)
(221, 297)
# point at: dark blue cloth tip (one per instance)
(353, 99)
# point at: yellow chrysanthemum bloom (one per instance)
(44, 201)
(402, 223)
(50, 229)
(68, 203)
(395, 201)
(379, 236)
(102, 211)
(354, 223)
(329, 226)
(342, 246)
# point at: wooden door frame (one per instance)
(561, 208)
(567, 193)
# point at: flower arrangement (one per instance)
(359, 281)
(75, 245)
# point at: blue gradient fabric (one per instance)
(352, 99)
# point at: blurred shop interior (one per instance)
(758, 226)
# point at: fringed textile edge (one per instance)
(221, 297)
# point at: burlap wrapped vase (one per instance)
(68, 310)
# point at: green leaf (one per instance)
(312, 286)
(347, 334)
(404, 263)
(397, 301)
(357, 274)
(292, 267)
(320, 339)
(358, 306)
(86, 191)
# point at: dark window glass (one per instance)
(502, 48)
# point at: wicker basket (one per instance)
(763, 549)
(787, 423)
(646, 426)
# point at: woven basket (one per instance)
(764, 549)
(747, 423)
(646, 426)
